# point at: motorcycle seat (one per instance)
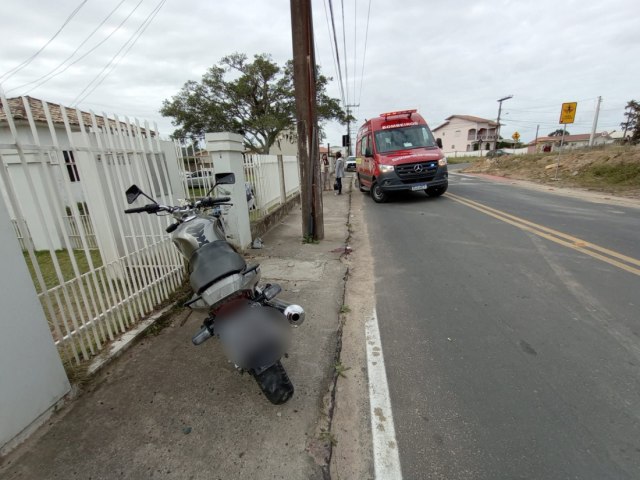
(212, 262)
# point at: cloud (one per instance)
(441, 57)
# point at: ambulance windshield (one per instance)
(404, 138)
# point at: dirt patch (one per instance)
(614, 170)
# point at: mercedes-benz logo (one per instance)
(417, 168)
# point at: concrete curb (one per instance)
(127, 340)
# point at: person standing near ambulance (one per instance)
(324, 165)
(339, 172)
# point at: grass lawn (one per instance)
(48, 271)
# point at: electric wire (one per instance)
(51, 75)
(130, 42)
(345, 56)
(10, 73)
(333, 53)
(355, 47)
(364, 56)
(335, 40)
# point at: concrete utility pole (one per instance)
(349, 127)
(304, 80)
(499, 112)
(535, 142)
(595, 123)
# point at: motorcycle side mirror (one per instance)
(271, 291)
(225, 178)
(133, 192)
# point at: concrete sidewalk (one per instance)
(167, 409)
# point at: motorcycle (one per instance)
(251, 323)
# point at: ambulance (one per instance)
(396, 152)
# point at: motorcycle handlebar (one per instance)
(149, 208)
(210, 202)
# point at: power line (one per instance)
(131, 41)
(355, 46)
(51, 75)
(346, 58)
(10, 73)
(335, 40)
(364, 56)
(333, 54)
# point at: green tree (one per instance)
(253, 98)
(632, 120)
(558, 133)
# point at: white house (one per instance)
(48, 157)
(466, 133)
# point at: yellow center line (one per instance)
(578, 241)
(560, 238)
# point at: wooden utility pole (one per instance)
(304, 81)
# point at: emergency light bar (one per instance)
(408, 113)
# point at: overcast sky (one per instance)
(444, 58)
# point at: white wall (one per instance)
(517, 151)
(32, 378)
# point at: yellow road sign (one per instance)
(515, 136)
(568, 113)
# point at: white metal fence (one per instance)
(73, 230)
(272, 180)
(51, 160)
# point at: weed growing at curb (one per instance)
(308, 239)
(328, 437)
(345, 309)
(340, 369)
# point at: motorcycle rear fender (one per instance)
(228, 286)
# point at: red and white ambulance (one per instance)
(396, 151)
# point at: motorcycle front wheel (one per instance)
(275, 384)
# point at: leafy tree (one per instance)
(253, 98)
(558, 133)
(632, 120)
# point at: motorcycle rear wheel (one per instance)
(275, 384)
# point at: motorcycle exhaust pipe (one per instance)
(293, 313)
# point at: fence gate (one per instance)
(63, 174)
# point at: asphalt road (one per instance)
(510, 323)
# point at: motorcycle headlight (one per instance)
(386, 168)
(442, 162)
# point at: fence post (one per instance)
(226, 153)
(283, 187)
(37, 379)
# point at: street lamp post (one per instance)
(499, 112)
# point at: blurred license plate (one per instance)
(421, 186)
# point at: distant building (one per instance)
(571, 142)
(286, 144)
(466, 133)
